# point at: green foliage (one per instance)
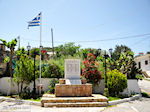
(21, 52)
(90, 69)
(24, 71)
(53, 82)
(106, 92)
(34, 52)
(116, 82)
(67, 49)
(123, 60)
(6, 59)
(118, 50)
(144, 94)
(84, 52)
(51, 71)
(11, 45)
(139, 77)
(25, 94)
(113, 98)
(54, 68)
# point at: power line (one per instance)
(111, 39)
(140, 41)
(126, 37)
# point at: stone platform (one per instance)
(95, 100)
(73, 90)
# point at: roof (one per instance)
(142, 56)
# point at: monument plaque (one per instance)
(72, 68)
(72, 71)
(71, 85)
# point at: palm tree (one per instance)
(11, 45)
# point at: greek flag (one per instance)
(36, 21)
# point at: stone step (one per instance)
(72, 100)
(95, 99)
(79, 104)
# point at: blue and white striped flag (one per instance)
(36, 21)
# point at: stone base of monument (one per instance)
(72, 87)
(73, 90)
(96, 100)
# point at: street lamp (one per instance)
(28, 48)
(99, 51)
(105, 65)
(110, 50)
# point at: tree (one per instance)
(24, 70)
(34, 52)
(118, 50)
(90, 70)
(84, 52)
(67, 49)
(123, 60)
(11, 45)
(51, 70)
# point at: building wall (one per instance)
(142, 60)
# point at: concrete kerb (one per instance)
(135, 97)
(39, 103)
(20, 101)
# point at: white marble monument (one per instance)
(72, 85)
(72, 71)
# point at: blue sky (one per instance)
(78, 20)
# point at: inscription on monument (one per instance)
(72, 69)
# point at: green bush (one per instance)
(139, 77)
(52, 70)
(144, 94)
(106, 92)
(90, 69)
(116, 82)
(25, 94)
(53, 82)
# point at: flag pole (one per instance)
(40, 52)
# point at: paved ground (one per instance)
(16, 107)
(142, 105)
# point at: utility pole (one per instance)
(52, 41)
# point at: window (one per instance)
(139, 65)
(146, 62)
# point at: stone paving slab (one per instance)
(78, 104)
(50, 100)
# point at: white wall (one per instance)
(132, 87)
(6, 88)
(142, 59)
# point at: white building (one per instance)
(143, 62)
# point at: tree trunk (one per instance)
(21, 87)
(10, 63)
(18, 87)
